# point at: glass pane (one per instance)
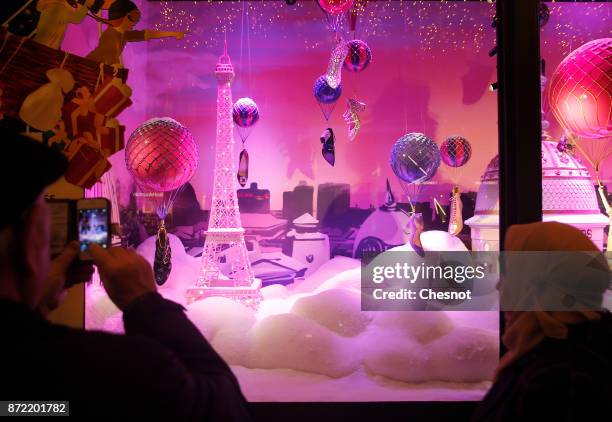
(577, 90)
(321, 189)
(576, 86)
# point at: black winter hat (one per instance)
(120, 9)
(28, 169)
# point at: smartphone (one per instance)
(93, 224)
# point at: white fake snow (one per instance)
(311, 342)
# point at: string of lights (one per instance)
(442, 26)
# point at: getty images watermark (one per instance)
(484, 281)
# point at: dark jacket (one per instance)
(559, 380)
(161, 369)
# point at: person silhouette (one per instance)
(55, 15)
(123, 15)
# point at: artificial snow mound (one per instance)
(325, 272)
(290, 341)
(99, 307)
(465, 354)
(398, 358)
(335, 309)
(317, 326)
(274, 291)
(234, 345)
(422, 326)
(212, 314)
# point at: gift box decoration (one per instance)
(111, 138)
(80, 115)
(112, 97)
(73, 147)
(86, 167)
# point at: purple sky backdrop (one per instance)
(408, 87)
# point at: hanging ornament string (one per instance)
(242, 32)
(250, 75)
(244, 111)
(335, 23)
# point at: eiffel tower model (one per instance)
(225, 270)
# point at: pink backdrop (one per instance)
(430, 72)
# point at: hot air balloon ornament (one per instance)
(162, 156)
(245, 114)
(358, 56)
(326, 96)
(414, 159)
(455, 152)
(580, 97)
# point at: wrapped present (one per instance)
(80, 116)
(86, 167)
(112, 97)
(111, 137)
(73, 147)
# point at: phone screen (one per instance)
(93, 227)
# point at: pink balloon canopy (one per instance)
(161, 154)
(580, 92)
(336, 7)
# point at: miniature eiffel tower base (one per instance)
(225, 248)
(248, 296)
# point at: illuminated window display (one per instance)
(258, 151)
(301, 335)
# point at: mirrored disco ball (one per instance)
(415, 158)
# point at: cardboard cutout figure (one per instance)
(123, 15)
(55, 15)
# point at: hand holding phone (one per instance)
(126, 276)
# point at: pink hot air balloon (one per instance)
(161, 154)
(455, 151)
(336, 7)
(580, 91)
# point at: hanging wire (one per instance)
(242, 32)
(250, 73)
(167, 202)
